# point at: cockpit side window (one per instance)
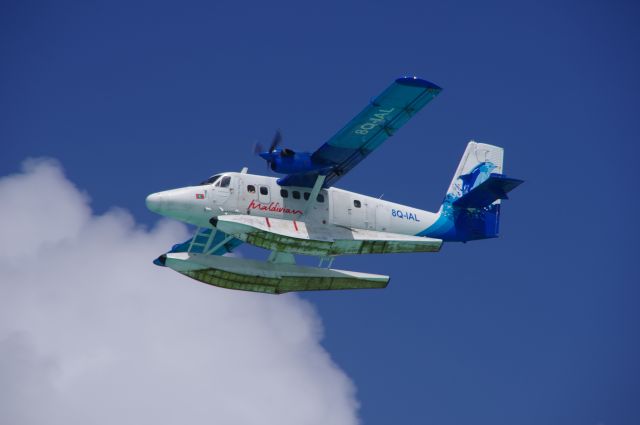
(210, 180)
(225, 181)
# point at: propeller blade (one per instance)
(257, 148)
(277, 138)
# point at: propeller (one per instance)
(275, 142)
(273, 151)
(277, 138)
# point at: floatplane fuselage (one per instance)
(304, 213)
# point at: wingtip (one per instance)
(417, 82)
(161, 260)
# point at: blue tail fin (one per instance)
(471, 208)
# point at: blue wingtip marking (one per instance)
(417, 82)
(160, 261)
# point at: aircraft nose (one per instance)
(154, 202)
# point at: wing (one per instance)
(204, 242)
(368, 130)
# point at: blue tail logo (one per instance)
(478, 174)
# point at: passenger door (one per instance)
(358, 207)
(370, 216)
(340, 208)
(383, 217)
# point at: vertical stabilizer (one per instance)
(471, 207)
(478, 162)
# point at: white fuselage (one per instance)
(242, 193)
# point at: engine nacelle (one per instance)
(286, 161)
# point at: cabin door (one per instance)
(370, 216)
(383, 217)
(340, 208)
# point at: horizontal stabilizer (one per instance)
(493, 188)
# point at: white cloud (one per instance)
(92, 332)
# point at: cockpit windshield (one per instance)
(210, 180)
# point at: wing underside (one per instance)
(367, 131)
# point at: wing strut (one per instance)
(220, 245)
(202, 232)
(314, 193)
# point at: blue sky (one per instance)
(538, 326)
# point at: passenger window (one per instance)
(226, 180)
(295, 194)
(251, 188)
(306, 196)
(356, 203)
(284, 193)
(264, 190)
(320, 197)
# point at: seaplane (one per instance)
(303, 213)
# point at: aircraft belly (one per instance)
(274, 278)
(320, 239)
